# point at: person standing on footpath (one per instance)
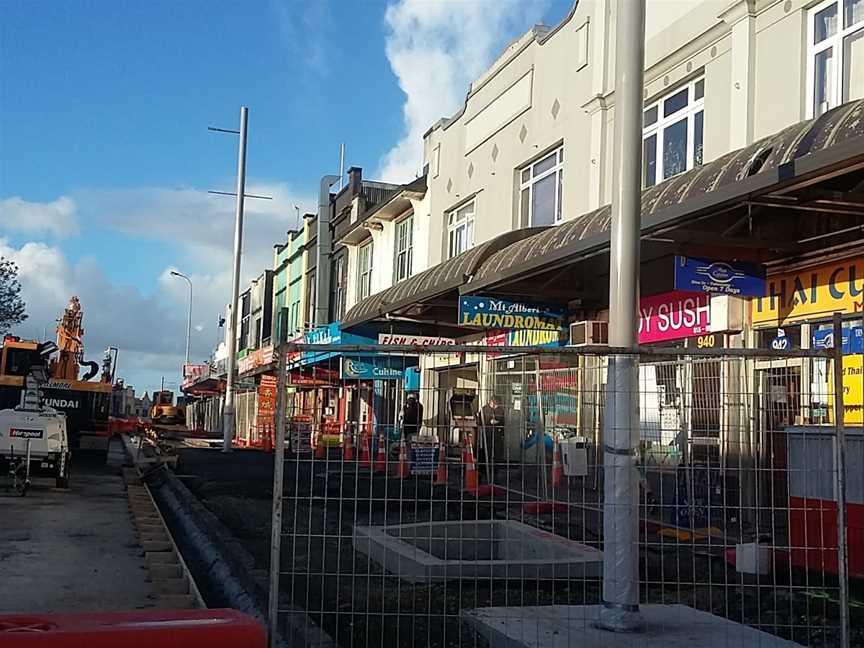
(490, 442)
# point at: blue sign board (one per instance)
(330, 334)
(853, 339)
(503, 314)
(720, 277)
(382, 368)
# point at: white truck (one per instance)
(33, 440)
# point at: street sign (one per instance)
(853, 339)
(720, 277)
(503, 314)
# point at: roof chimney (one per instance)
(355, 180)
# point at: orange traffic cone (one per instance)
(557, 466)
(380, 457)
(441, 473)
(471, 480)
(319, 447)
(403, 468)
(348, 447)
(365, 458)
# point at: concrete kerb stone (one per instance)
(498, 549)
(562, 626)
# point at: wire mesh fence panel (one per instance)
(453, 496)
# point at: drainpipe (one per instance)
(325, 243)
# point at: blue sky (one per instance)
(105, 157)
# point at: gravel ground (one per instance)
(359, 604)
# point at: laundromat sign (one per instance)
(811, 294)
(503, 314)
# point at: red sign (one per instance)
(313, 377)
(267, 396)
(673, 315)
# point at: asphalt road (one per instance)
(71, 551)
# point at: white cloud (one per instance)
(57, 218)
(435, 50)
(150, 329)
(143, 328)
(202, 224)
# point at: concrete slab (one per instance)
(563, 626)
(71, 550)
(505, 549)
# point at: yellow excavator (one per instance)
(85, 400)
(164, 411)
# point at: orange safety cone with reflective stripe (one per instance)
(471, 479)
(441, 472)
(348, 447)
(403, 468)
(380, 457)
(557, 465)
(365, 455)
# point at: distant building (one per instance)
(122, 400)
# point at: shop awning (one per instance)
(432, 283)
(794, 159)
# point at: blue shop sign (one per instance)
(330, 334)
(503, 314)
(370, 369)
(720, 277)
(853, 339)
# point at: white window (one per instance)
(672, 133)
(339, 288)
(364, 265)
(540, 185)
(312, 302)
(404, 248)
(460, 230)
(835, 60)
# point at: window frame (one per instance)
(556, 170)
(339, 287)
(454, 225)
(836, 43)
(364, 275)
(406, 222)
(659, 127)
(311, 300)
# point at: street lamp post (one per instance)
(174, 273)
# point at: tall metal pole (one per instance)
(189, 313)
(620, 610)
(278, 477)
(840, 461)
(228, 411)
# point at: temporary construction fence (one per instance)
(453, 496)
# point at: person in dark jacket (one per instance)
(412, 416)
(491, 444)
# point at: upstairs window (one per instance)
(364, 265)
(404, 248)
(835, 61)
(311, 303)
(540, 186)
(460, 230)
(672, 133)
(339, 288)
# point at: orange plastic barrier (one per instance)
(139, 629)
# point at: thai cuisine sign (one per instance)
(673, 315)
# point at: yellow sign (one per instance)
(853, 390)
(812, 294)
